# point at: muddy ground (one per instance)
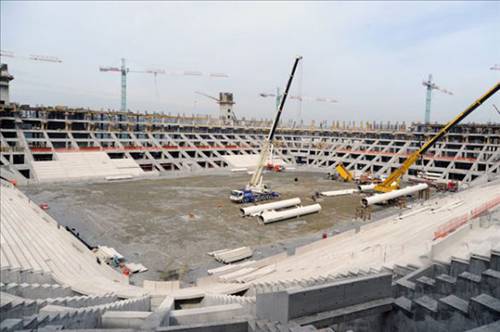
(169, 225)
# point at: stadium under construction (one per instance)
(146, 221)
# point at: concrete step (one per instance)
(401, 271)
(439, 268)
(495, 260)
(457, 266)
(425, 306)
(424, 286)
(445, 284)
(490, 282)
(493, 327)
(15, 307)
(84, 318)
(449, 305)
(11, 324)
(484, 309)
(405, 305)
(404, 287)
(36, 291)
(82, 301)
(468, 285)
(478, 264)
(19, 276)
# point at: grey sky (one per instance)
(372, 57)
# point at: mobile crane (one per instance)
(392, 181)
(255, 190)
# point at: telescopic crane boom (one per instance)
(256, 180)
(392, 181)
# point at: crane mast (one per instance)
(256, 180)
(392, 181)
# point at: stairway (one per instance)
(461, 295)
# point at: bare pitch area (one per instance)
(170, 224)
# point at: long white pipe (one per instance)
(393, 194)
(256, 209)
(366, 187)
(338, 192)
(272, 216)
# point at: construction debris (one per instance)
(136, 267)
(227, 256)
(109, 255)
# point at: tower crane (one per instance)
(496, 108)
(278, 96)
(255, 190)
(34, 57)
(124, 70)
(431, 86)
(392, 181)
(225, 102)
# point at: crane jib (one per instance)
(460, 117)
(283, 99)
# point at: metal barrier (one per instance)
(453, 224)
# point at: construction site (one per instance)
(122, 220)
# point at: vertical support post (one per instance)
(124, 86)
(278, 98)
(428, 101)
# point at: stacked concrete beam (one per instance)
(228, 256)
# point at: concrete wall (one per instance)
(236, 326)
(293, 303)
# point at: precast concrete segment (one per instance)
(339, 192)
(257, 209)
(272, 216)
(379, 198)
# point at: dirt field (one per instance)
(170, 224)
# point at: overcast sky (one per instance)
(370, 56)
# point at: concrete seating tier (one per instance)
(32, 240)
(393, 244)
(82, 165)
(36, 291)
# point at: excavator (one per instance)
(393, 180)
(255, 190)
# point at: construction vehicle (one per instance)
(344, 173)
(393, 180)
(255, 190)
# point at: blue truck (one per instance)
(250, 196)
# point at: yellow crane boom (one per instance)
(392, 181)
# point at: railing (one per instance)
(453, 224)
(41, 149)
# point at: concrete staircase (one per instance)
(280, 285)
(17, 275)
(456, 296)
(36, 291)
(65, 312)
